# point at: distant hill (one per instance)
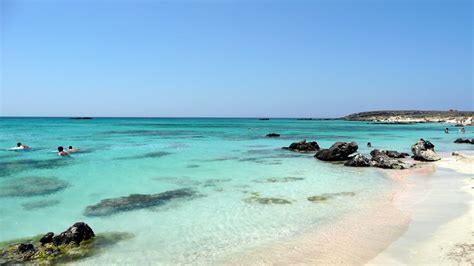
(414, 116)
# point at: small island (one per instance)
(460, 118)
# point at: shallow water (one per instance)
(247, 191)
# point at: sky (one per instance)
(233, 58)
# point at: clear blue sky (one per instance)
(234, 58)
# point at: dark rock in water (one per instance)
(12, 167)
(256, 198)
(391, 154)
(303, 146)
(358, 161)
(382, 160)
(423, 150)
(77, 242)
(155, 154)
(47, 238)
(273, 135)
(465, 141)
(32, 186)
(23, 248)
(135, 201)
(279, 179)
(75, 234)
(339, 151)
(328, 196)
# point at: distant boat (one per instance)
(83, 118)
(264, 119)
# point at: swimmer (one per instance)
(446, 130)
(462, 130)
(20, 146)
(369, 145)
(61, 151)
(70, 149)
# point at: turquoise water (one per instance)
(228, 163)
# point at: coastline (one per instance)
(424, 221)
(441, 227)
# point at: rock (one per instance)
(339, 151)
(424, 151)
(382, 160)
(48, 238)
(80, 243)
(273, 135)
(358, 161)
(466, 141)
(74, 234)
(304, 146)
(26, 247)
(32, 186)
(135, 201)
(328, 196)
(391, 154)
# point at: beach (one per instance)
(428, 221)
(228, 194)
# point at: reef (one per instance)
(32, 186)
(136, 201)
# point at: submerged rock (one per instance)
(279, 179)
(328, 196)
(77, 242)
(391, 154)
(465, 141)
(155, 154)
(15, 166)
(424, 151)
(339, 151)
(303, 146)
(256, 198)
(32, 186)
(273, 135)
(136, 201)
(358, 161)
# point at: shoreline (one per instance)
(406, 226)
(441, 227)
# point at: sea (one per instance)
(242, 190)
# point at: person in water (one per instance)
(62, 152)
(369, 145)
(70, 149)
(22, 146)
(462, 130)
(446, 130)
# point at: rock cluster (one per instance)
(465, 141)
(49, 248)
